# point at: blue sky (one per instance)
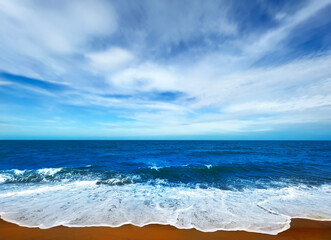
(165, 69)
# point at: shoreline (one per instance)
(303, 229)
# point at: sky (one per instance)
(232, 70)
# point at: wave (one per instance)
(89, 203)
(24, 176)
(157, 168)
(64, 175)
(226, 177)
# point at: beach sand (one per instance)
(300, 229)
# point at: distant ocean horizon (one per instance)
(209, 185)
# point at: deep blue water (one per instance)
(222, 164)
(208, 185)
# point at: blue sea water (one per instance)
(256, 186)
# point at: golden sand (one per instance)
(300, 229)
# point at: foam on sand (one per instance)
(86, 203)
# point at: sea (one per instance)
(255, 186)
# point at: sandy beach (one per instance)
(300, 230)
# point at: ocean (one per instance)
(256, 186)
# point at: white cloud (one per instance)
(294, 79)
(110, 59)
(60, 27)
(38, 37)
(297, 92)
(270, 40)
(146, 77)
(294, 104)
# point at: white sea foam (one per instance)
(85, 203)
(120, 179)
(3, 178)
(155, 168)
(15, 175)
(49, 171)
(18, 172)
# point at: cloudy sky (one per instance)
(165, 69)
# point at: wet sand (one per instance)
(300, 230)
